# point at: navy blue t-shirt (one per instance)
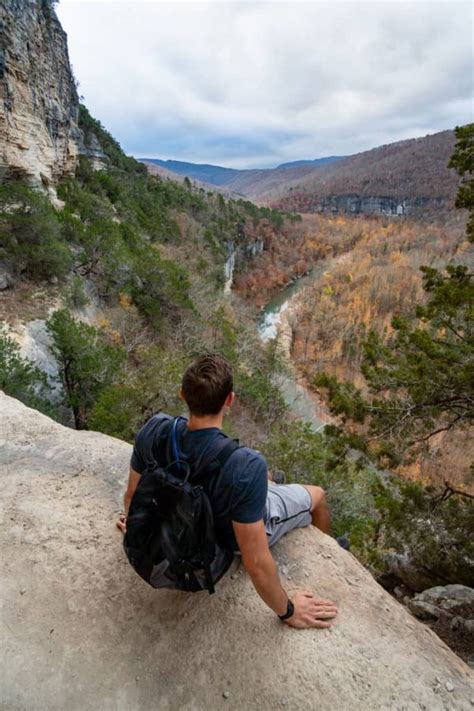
(238, 493)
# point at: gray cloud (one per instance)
(250, 84)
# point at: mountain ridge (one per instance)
(311, 161)
(222, 175)
(400, 178)
(205, 172)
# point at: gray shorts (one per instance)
(288, 507)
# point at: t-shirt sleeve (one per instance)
(143, 448)
(250, 493)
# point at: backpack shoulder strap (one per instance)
(214, 462)
(166, 441)
(229, 448)
(162, 446)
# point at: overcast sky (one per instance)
(254, 84)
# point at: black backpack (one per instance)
(170, 539)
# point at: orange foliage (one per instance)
(125, 301)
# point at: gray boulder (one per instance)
(83, 632)
(441, 600)
(405, 568)
(7, 278)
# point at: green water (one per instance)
(295, 394)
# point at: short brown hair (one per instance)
(206, 384)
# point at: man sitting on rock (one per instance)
(249, 514)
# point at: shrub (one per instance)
(75, 295)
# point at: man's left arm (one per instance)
(133, 479)
(138, 463)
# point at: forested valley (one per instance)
(372, 274)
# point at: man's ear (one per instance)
(181, 395)
(229, 399)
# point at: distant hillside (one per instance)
(239, 181)
(316, 161)
(398, 178)
(213, 174)
(157, 169)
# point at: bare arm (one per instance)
(133, 479)
(260, 565)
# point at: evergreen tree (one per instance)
(463, 162)
(423, 377)
(87, 363)
(30, 233)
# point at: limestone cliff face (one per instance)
(38, 124)
(82, 631)
(356, 204)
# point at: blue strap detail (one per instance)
(174, 442)
(216, 460)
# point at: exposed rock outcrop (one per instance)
(39, 121)
(36, 346)
(441, 600)
(247, 248)
(7, 277)
(409, 177)
(373, 205)
(449, 611)
(82, 631)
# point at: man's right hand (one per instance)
(311, 611)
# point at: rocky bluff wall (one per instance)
(40, 139)
(389, 206)
(82, 632)
(362, 205)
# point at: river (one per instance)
(304, 404)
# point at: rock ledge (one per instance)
(82, 631)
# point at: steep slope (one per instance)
(82, 631)
(39, 128)
(146, 262)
